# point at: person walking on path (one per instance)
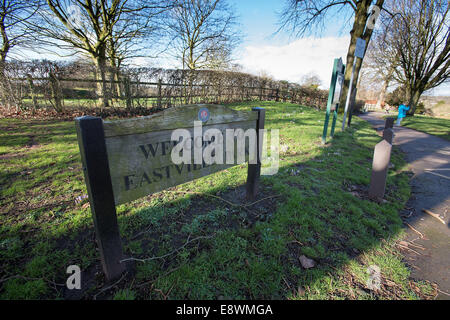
(401, 113)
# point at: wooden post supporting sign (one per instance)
(254, 170)
(91, 140)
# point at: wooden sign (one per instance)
(124, 160)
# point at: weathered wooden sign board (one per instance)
(337, 81)
(124, 160)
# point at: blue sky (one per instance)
(283, 56)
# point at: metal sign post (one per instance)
(359, 53)
(337, 77)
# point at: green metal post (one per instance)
(330, 100)
(336, 110)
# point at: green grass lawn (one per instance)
(196, 241)
(436, 126)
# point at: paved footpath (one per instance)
(429, 159)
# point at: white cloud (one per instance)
(292, 61)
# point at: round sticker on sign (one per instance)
(203, 114)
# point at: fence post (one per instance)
(33, 95)
(56, 91)
(254, 170)
(127, 86)
(158, 102)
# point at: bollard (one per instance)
(381, 160)
(389, 123)
(380, 165)
(388, 135)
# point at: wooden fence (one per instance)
(60, 93)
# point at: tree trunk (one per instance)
(382, 93)
(100, 64)
(357, 32)
(414, 101)
(3, 87)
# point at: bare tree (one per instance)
(137, 35)
(382, 59)
(15, 16)
(304, 16)
(97, 29)
(311, 80)
(423, 46)
(203, 32)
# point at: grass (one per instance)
(315, 206)
(436, 126)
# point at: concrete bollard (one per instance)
(380, 165)
(389, 123)
(381, 160)
(388, 135)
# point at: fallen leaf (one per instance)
(306, 262)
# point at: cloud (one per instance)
(296, 59)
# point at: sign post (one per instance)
(359, 53)
(334, 94)
(124, 160)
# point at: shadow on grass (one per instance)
(216, 246)
(314, 208)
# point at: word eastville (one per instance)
(226, 309)
(155, 153)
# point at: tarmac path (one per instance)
(428, 158)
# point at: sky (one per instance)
(280, 54)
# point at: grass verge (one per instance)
(436, 126)
(200, 240)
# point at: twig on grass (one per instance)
(443, 292)
(434, 215)
(404, 247)
(109, 287)
(251, 204)
(213, 196)
(420, 234)
(170, 253)
(162, 276)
